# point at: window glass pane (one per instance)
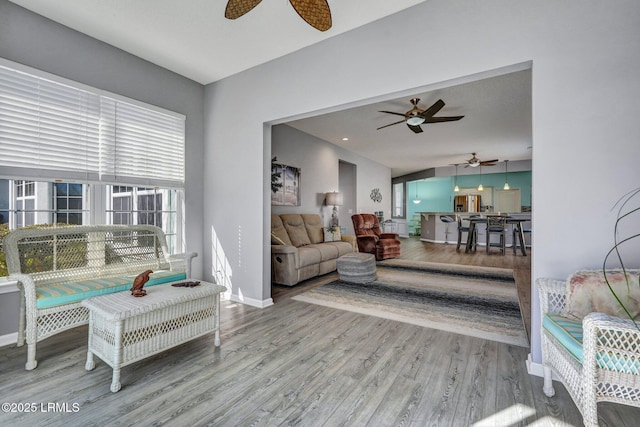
(398, 200)
(61, 189)
(74, 218)
(75, 204)
(75, 190)
(70, 203)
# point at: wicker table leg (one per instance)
(547, 387)
(117, 357)
(216, 340)
(90, 363)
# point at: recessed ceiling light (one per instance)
(345, 139)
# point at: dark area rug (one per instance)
(476, 301)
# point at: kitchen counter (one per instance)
(435, 231)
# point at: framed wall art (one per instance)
(285, 185)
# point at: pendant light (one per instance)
(480, 187)
(416, 200)
(506, 170)
(456, 189)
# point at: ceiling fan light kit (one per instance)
(417, 116)
(474, 162)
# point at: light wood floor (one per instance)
(414, 249)
(295, 364)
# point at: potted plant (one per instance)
(332, 233)
(623, 244)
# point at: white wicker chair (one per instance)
(53, 255)
(610, 370)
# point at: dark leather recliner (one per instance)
(372, 240)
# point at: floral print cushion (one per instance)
(587, 292)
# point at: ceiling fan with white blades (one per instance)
(315, 12)
(474, 162)
(417, 116)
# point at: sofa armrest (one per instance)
(610, 343)
(389, 235)
(283, 249)
(177, 259)
(367, 243)
(28, 288)
(552, 293)
(350, 239)
(284, 264)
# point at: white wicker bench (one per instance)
(597, 359)
(124, 329)
(58, 267)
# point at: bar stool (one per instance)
(447, 220)
(516, 236)
(465, 229)
(496, 225)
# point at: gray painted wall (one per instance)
(583, 54)
(35, 41)
(9, 312)
(320, 161)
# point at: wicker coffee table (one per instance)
(358, 267)
(124, 329)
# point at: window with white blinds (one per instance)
(55, 129)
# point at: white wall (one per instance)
(585, 90)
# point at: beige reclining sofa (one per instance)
(299, 251)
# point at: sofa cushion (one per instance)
(342, 247)
(70, 292)
(278, 230)
(296, 229)
(313, 224)
(569, 334)
(327, 251)
(308, 255)
(587, 292)
(366, 225)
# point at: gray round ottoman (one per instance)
(358, 267)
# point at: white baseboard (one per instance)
(252, 302)
(8, 339)
(536, 369)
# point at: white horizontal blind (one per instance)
(140, 145)
(47, 126)
(53, 130)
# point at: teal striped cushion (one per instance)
(67, 293)
(569, 333)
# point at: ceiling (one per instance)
(496, 125)
(193, 39)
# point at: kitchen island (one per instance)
(434, 230)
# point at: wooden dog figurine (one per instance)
(138, 283)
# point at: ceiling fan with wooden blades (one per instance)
(475, 162)
(417, 116)
(315, 12)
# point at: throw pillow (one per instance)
(587, 292)
(275, 240)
